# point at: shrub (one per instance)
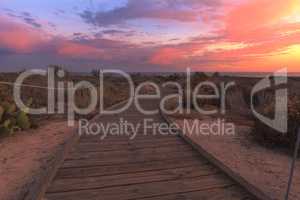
(237, 101)
(172, 104)
(196, 79)
(271, 137)
(12, 119)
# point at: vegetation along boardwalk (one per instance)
(150, 166)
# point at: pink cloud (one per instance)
(167, 56)
(238, 37)
(257, 26)
(19, 37)
(75, 50)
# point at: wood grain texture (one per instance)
(149, 167)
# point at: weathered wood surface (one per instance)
(150, 166)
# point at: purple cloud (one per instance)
(176, 10)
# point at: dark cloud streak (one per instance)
(31, 21)
(25, 17)
(176, 10)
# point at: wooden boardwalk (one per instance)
(154, 167)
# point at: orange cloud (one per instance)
(167, 56)
(257, 37)
(254, 20)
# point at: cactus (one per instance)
(9, 108)
(6, 123)
(12, 119)
(5, 127)
(23, 121)
(29, 102)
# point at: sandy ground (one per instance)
(27, 153)
(264, 168)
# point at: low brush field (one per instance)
(34, 93)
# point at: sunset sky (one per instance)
(151, 35)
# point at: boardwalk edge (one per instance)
(252, 189)
(37, 187)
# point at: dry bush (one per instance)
(114, 93)
(270, 137)
(196, 79)
(172, 104)
(172, 77)
(148, 90)
(238, 101)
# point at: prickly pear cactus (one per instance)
(29, 102)
(23, 121)
(12, 119)
(9, 108)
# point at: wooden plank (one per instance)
(136, 191)
(127, 168)
(97, 182)
(149, 167)
(98, 155)
(132, 142)
(132, 145)
(253, 189)
(125, 148)
(226, 193)
(139, 137)
(107, 160)
(122, 140)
